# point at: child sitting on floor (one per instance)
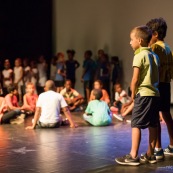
(98, 85)
(30, 99)
(121, 101)
(97, 112)
(5, 114)
(72, 97)
(12, 104)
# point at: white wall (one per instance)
(105, 24)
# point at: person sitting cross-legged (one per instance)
(49, 104)
(72, 97)
(97, 112)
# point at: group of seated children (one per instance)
(10, 111)
(97, 112)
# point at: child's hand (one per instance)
(115, 104)
(29, 128)
(73, 125)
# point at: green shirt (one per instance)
(148, 63)
(100, 113)
(166, 61)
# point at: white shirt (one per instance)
(6, 74)
(122, 97)
(17, 74)
(50, 102)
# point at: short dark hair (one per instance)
(158, 25)
(71, 51)
(98, 94)
(11, 88)
(89, 52)
(143, 32)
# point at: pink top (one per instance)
(31, 100)
(105, 96)
(11, 101)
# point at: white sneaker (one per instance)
(118, 116)
(128, 121)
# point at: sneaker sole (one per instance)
(148, 161)
(117, 117)
(171, 154)
(159, 157)
(128, 163)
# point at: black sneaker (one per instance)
(146, 159)
(128, 160)
(159, 154)
(168, 151)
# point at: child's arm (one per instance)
(134, 82)
(106, 96)
(69, 117)
(36, 118)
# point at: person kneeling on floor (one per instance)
(47, 114)
(97, 112)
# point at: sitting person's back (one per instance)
(47, 114)
(71, 96)
(97, 112)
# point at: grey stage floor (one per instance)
(65, 150)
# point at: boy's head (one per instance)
(118, 87)
(70, 53)
(30, 88)
(18, 62)
(88, 54)
(60, 57)
(97, 94)
(140, 37)
(68, 85)
(158, 27)
(12, 89)
(98, 84)
(7, 64)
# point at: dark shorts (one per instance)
(59, 83)
(165, 97)
(48, 125)
(145, 112)
(88, 84)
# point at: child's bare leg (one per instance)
(158, 140)
(87, 94)
(136, 139)
(152, 140)
(161, 117)
(128, 110)
(169, 123)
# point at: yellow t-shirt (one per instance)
(166, 61)
(148, 63)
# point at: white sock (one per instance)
(158, 149)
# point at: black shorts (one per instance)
(59, 83)
(165, 97)
(48, 125)
(145, 112)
